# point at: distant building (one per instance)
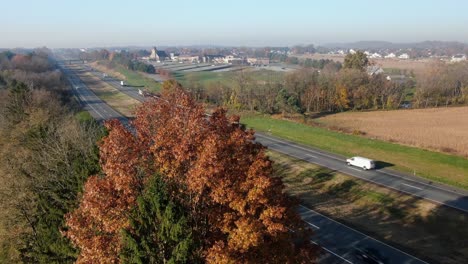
(189, 58)
(351, 51)
(231, 59)
(458, 58)
(216, 58)
(374, 70)
(375, 56)
(404, 56)
(258, 61)
(158, 55)
(390, 56)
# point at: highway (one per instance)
(408, 184)
(98, 109)
(337, 240)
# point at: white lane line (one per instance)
(312, 156)
(375, 182)
(331, 252)
(423, 183)
(412, 186)
(299, 147)
(312, 225)
(366, 236)
(388, 173)
(355, 169)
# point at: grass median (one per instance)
(428, 230)
(434, 166)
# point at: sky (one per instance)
(105, 23)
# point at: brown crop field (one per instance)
(440, 129)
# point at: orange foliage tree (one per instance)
(212, 166)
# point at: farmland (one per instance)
(440, 129)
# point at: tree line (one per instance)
(330, 89)
(442, 85)
(46, 154)
(122, 58)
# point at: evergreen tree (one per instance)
(159, 232)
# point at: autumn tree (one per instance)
(95, 226)
(236, 210)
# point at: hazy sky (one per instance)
(86, 23)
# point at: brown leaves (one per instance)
(95, 225)
(238, 211)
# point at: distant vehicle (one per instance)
(122, 83)
(140, 92)
(368, 255)
(364, 163)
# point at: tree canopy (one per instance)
(236, 210)
(358, 61)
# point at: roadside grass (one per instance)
(432, 232)
(434, 166)
(136, 79)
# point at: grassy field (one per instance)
(440, 129)
(227, 78)
(439, 167)
(385, 214)
(136, 79)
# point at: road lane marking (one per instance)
(290, 144)
(359, 232)
(355, 169)
(312, 225)
(372, 181)
(312, 156)
(331, 252)
(423, 183)
(335, 158)
(412, 186)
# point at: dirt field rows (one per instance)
(440, 129)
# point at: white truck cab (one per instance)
(364, 163)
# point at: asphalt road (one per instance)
(341, 242)
(408, 184)
(98, 109)
(438, 193)
(337, 240)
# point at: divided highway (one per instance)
(338, 241)
(438, 193)
(98, 109)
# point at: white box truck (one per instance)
(364, 163)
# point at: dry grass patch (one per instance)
(440, 129)
(434, 233)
